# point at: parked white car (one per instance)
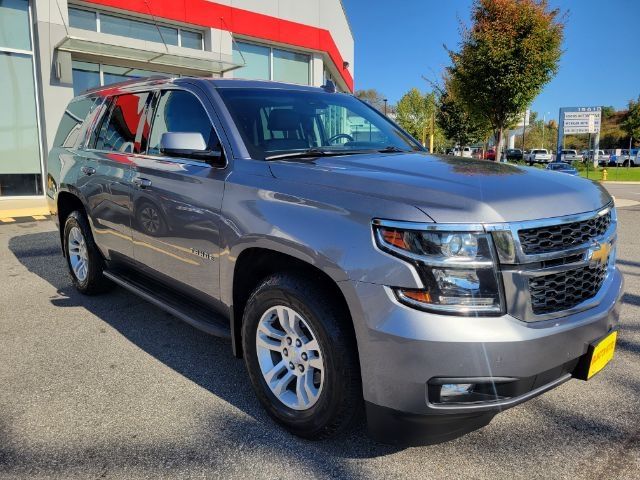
(539, 155)
(570, 156)
(466, 152)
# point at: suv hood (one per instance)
(451, 189)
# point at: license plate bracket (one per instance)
(598, 355)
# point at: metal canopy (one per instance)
(203, 61)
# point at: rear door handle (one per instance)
(88, 170)
(142, 182)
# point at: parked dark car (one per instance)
(514, 154)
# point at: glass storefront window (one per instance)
(85, 76)
(103, 22)
(112, 74)
(290, 67)
(126, 27)
(14, 24)
(256, 59)
(266, 63)
(84, 19)
(19, 142)
(191, 39)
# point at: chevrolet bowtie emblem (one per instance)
(599, 252)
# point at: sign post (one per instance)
(578, 120)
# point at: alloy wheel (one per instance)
(78, 255)
(290, 358)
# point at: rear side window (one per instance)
(72, 120)
(123, 121)
(180, 111)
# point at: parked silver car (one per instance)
(352, 271)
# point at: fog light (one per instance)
(455, 392)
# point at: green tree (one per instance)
(414, 112)
(511, 50)
(373, 97)
(631, 122)
(608, 111)
(456, 122)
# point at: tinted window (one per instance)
(118, 133)
(71, 123)
(180, 111)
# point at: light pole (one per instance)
(544, 122)
(385, 106)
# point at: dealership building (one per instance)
(51, 50)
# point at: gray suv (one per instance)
(354, 273)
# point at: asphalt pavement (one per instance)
(112, 387)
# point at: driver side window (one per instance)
(180, 111)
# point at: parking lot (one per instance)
(112, 387)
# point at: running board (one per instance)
(194, 314)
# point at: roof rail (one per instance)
(124, 83)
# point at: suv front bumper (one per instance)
(403, 351)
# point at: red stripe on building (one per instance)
(241, 22)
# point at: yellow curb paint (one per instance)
(7, 220)
(39, 217)
(23, 212)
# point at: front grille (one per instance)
(561, 291)
(559, 237)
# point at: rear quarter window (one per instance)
(73, 118)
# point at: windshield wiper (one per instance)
(316, 152)
(393, 149)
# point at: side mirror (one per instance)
(187, 145)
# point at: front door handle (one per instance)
(142, 182)
(88, 171)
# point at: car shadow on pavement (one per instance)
(207, 361)
(201, 358)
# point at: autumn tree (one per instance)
(511, 50)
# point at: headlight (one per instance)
(457, 268)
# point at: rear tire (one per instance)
(84, 260)
(301, 356)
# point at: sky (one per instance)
(397, 42)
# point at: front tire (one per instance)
(83, 257)
(301, 356)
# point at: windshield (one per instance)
(274, 122)
(540, 151)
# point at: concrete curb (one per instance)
(618, 182)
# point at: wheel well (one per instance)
(67, 203)
(254, 265)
